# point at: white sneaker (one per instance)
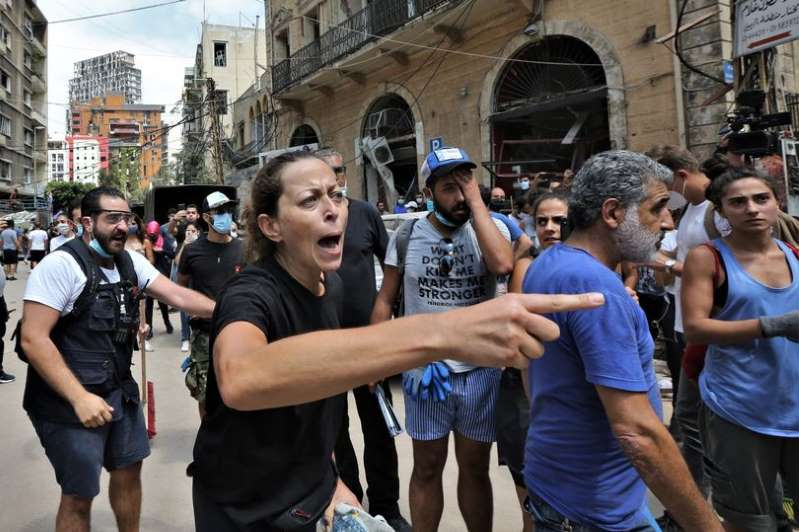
(148, 346)
(184, 346)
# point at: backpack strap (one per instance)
(404, 233)
(710, 223)
(719, 290)
(717, 260)
(126, 269)
(403, 240)
(792, 248)
(79, 251)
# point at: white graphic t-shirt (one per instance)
(428, 289)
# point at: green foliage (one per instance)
(64, 192)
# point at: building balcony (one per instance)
(4, 49)
(3, 94)
(2, 140)
(38, 48)
(39, 156)
(378, 18)
(37, 84)
(38, 117)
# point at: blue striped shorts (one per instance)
(469, 409)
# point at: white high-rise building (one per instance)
(57, 160)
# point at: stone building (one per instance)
(522, 85)
(23, 97)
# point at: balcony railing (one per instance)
(378, 18)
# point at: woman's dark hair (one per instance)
(718, 187)
(549, 196)
(139, 234)
(267, 187)
(715, 166)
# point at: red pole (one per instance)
(150, 410)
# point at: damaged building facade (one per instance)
(523, 85)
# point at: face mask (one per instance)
(191, 237)
(79, 232)
(234, 234)
(62, 229)
(524, 184)
(96, 246)
(430, 205)
(444, 221)
(133, 229)
(222, 223)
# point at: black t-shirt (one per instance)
(365, 238)
(210, 265)
(268, 460)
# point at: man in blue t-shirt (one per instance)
(596, 440)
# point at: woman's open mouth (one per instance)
(330, 242)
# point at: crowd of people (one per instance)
(530, 323)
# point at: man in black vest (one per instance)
(79, 325)
(365, 239)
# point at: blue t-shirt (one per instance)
(572, 459)
(513, 228)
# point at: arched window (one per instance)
(550, 108)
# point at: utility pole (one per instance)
(216, 135)
(255, 56)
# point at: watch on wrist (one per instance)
(670, 265)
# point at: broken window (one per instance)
(282, 49)
(220, 54)
(5, 81)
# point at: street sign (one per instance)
(762, 24)
(436, 143)
(729, 73)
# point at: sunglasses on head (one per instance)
(448, 260)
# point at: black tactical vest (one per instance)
(96, 341)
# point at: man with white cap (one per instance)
(205, 266)
(448, 259)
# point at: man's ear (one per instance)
(270, 227)
(612, 213)
(86, 222)
(428, 193)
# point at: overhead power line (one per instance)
(120, 12)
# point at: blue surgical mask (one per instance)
(444, 221)
(222, 223)
(79, 232)
(96, 246)
(430, 205)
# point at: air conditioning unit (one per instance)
(378, 151)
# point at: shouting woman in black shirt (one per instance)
(263, 459)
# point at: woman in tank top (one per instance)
(741, 298)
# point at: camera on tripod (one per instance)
(757, 141)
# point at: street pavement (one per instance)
(29, 493)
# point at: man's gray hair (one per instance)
(620, 174)
(324, 153)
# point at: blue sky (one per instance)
(163, 40)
